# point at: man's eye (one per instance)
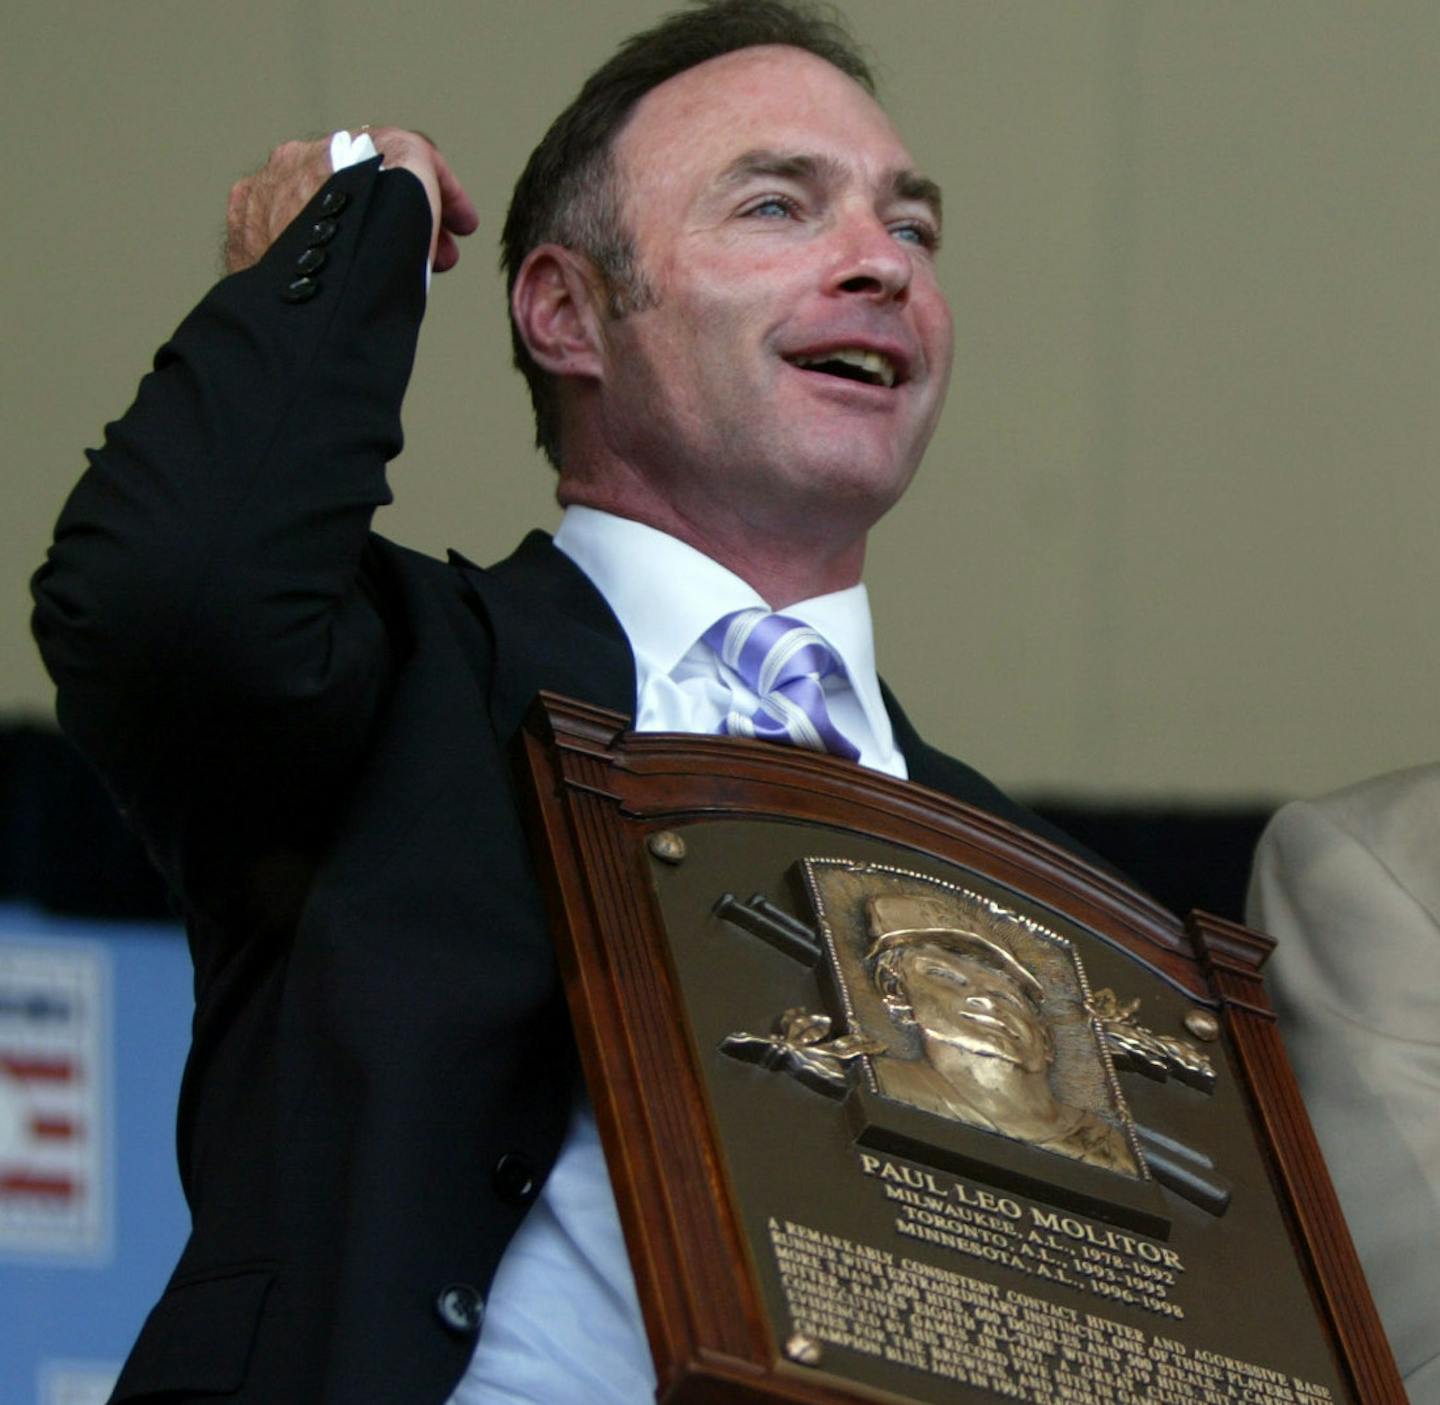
(773, 207)
(920, 234)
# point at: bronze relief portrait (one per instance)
(982, 1022)
(949, 1002)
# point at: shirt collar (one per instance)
(666, 594)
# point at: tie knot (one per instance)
(769, 650)
(782, 661)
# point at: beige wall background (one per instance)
(1176, 536)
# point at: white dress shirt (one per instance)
(666, 595)
(562, 1323)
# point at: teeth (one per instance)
(871, 362)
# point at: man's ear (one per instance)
(555, 304)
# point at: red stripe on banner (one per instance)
(38, 1069)
(24, 1183)
(54, 1128)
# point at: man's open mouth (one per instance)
(851, 363)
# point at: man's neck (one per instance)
(781, 568)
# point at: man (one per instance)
(723, 295)
(1349, 885)
(986, 1045)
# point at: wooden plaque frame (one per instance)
(596, 797)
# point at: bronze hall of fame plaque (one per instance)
(905, 1105)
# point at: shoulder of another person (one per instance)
(1411, 797)
(1391, 814)
(1381, 831)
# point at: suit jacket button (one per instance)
(515, 1178)
(460, 1308)
(322, 232)
(333, 201)
(311, 261)
(300, 290)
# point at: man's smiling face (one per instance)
(792, 364)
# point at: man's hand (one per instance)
(261, 205)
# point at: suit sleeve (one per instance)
(1356, 983)
(208, 609)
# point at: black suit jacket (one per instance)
(309, 726)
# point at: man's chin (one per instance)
(862, 485)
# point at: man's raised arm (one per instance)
(206, 608)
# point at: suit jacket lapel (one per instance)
(927, 766)
(552, 630)
(933, 768)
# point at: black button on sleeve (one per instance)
(461, 1308)
(516, 1179)
(311, 261)
(333, 201)
(300, 290)
(322, 232)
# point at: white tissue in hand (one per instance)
(346, 150)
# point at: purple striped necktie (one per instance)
(781, 660)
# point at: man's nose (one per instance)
(871, 262)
